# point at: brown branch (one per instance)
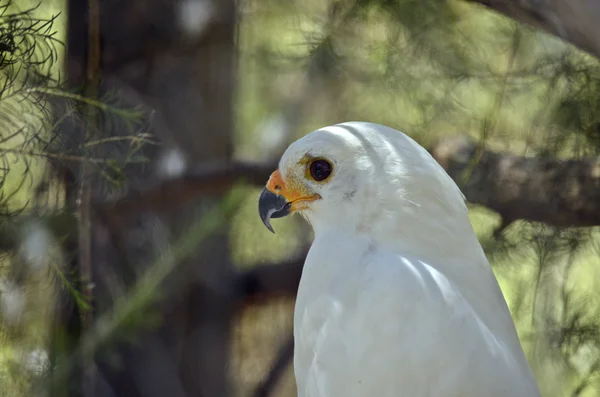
(575, 21)
(163, 197)
(560, 193)
(265, 282)
(556, 192)
(191, 185)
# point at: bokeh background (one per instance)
(135, 138)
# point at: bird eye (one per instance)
(320, 170)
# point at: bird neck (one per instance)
(418, 231)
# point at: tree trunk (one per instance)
(176, 59)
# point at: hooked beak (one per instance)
(278, 200)
(271, 205)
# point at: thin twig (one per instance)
(61, 156)
(85, 192)
(264, 282)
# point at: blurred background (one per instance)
(135, 138)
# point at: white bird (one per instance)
(397, 297)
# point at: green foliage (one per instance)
(43, 131)
(576, 112)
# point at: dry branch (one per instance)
(559, 193)
(542, 189)
(191, 185)
(264, 282)
(575, 21)
(163, 197)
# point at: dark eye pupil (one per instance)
(320, 170)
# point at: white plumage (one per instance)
(397, 297)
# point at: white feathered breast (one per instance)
(396, 297)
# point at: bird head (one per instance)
(360, 176)
(317, 176)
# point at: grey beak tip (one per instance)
(271, 205)
(268, 225)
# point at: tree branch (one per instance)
(264, 282)
(556, 192)
(191, 185)
(163, 197)
(559, 193)
(575, 21)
